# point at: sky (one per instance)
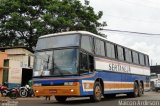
(132, 15)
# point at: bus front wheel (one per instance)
(97, 92)
(61, 99)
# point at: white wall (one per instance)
(20, 54)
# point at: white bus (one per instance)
(80, 63)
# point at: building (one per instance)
(155, 69)
(20, 65)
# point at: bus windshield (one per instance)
(58, 41)
(56, 63)
(65, 62)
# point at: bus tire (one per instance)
(97, 92)
(140, 90)
(135, 92)
(61, 99)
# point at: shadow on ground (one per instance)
(86, 100)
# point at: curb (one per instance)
(24, 99)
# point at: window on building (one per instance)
(128, 55)
(110, 50)
(120, 53)
(86, 43)
(99, 47)
(29, 61)
(5, 71)
(135, 57)
(141, 59)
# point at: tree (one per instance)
(23, 21)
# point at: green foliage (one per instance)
(23, 21)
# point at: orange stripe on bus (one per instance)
(117, 85)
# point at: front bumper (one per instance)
(73, 90)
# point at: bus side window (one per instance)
(83, 63)
(91, 63)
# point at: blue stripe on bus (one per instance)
(105, 75)
(124, 77)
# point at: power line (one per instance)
(133, 32)
(139, 3)
(126, 18)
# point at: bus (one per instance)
(83, 64)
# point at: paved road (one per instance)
(150, 98)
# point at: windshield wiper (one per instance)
(61, 71)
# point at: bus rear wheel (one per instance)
(140, 91)
(135, 91)
(97, 92)
(61, 99)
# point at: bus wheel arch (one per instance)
(101, 82)
(98, 90)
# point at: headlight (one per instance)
(70, 83)
(37, 84)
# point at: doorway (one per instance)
(26, 76)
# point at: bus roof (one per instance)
(72, 32)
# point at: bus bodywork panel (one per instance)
(64, 86)
(113, 83)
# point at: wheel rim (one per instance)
(98, 92)
(23, 93)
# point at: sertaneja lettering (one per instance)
(119, 68)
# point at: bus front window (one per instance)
(65, 62)
(43, 63)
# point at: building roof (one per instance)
(4, 48)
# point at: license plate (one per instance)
(53, 91)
